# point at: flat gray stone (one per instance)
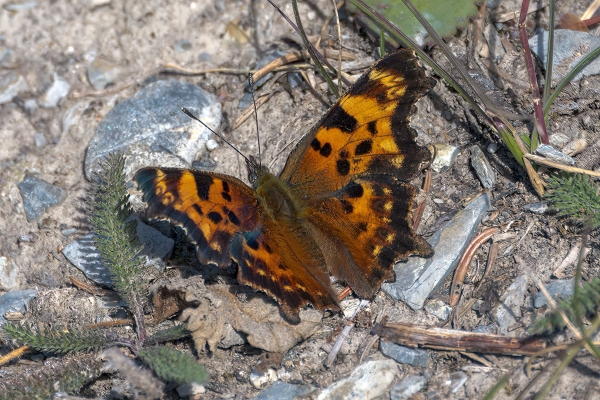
(405, 355)
(418, 278)
(569, 48)
(536, 208)
(558, 290)
(151, 130)
(284, 391)
(15, 301)
(439, 309)
(368, 381)
(408, 386)
(102, 73)
(552, 154)
(508, 311)
(39, 195)
(482, 167)
(85, 256)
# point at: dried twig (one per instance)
(343, 335)
(453, 340)
(418, 213)
(553, 164)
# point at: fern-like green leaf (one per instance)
(115, 237)
(172, 365)
(575, 196)
(589, 301)
(166, 335)
(59, 340)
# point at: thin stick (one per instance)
(553, 164)
(18, 352)
(343, 335)
(339, 32)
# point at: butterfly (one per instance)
(340, 208)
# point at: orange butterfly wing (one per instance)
(211, 208)
(352, 169)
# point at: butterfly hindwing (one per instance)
(211, 208)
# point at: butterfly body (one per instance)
(340, 208)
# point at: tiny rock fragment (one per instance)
(439, 309)
(15, 301)
(58, 90)
(101, 73)
(558, 290)
(261, 379)
(11, 84)
(9, 272)
(39, 195)
(405, 355)
(284, 391)
(407, 387)
(482, 167)
(509, 308)
(444, 156)
(536, 208)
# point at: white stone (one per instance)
(368, 381)
(8, 274)
(55, 93)
(211, 145)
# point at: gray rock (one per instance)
(408, 386)
(444, 156)
(231, 337)
(417, 279)
(11, 84)
(492, 148)
(40, 140)
(457, 380)
(482, 167)
(85, 256)
(15, 301)
(552, 154)
(157, 246)
(284, 391)
(569, 48)
(536, 208)
(101, 73)
(182, 45)
(558, 290)
(151, 130)
(39, 195)
(405, 355)
(508, 311)
(8, 274)
(55, 93)
(21, 6)
(439, 309)
(368, 381)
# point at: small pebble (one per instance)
(101, 73)
(55, 93)
(575, 147)
(444, 156)
(536, 208)
(457, 380)
(260, 380)
(15, 300)
(508, 311)
(25, 238)
(67, 232)
(40, 140)
(30, 105)
(405, 355)
(492, 148)
(558, 290)
(11, 84)
(39, 195)
(407, 387)
(211, 144)
(439, 309)
(204, 56)
(482, 167)
(182, 45)
(8, 274)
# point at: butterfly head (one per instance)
(255, 171)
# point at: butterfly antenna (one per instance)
(192, 116)
(251, 85)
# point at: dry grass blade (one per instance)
(553, 164)
(465, 261)
(16, 353)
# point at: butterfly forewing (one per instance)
(211, 208)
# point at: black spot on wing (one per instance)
(339, 118)
(215, 217)
(364, 147)
(252, 243)
(343, 167)
(347, 206)
(372, 127)
(326, 150)
(232, 217)
(354, 190)
(226, 196)
(203, 184)
(198, 209)
(315, 144)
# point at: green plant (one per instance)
(575, 196)
(119, 247)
